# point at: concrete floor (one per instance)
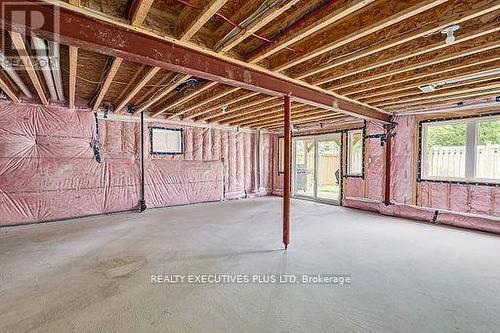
(93, 274)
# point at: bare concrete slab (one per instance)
(94, 274)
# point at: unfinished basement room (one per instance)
(250, 166)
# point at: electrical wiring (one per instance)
(292, 26)
(264, 8)
(229, 21)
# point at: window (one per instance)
(355, 148)
(166, 141)
(466, 150)
(281, 155)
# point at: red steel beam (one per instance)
(94, 32)
(287, 174)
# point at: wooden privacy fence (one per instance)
(328, 163)
(450, 161)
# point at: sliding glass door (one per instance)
(328, 180)
(316, 167)
(304, 170)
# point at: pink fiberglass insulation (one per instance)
(468, 206)
(48, 170)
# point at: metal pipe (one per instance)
(7, 67)
(44, 65)
(287, 174)
(55, 64)
(388, 149)
(143, 198)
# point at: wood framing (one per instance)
(161, 94)
(9, 92)
(80, 29)
(184, 100)
(271, 112)
(305, 119)
(414, 91)
(486, 8)
(140, 12)
(491, 29)
(203, 18)
(398, 17)
(297, 113)
(256, 25)
(73, 70)
(311, 29)
(107, 82)
(18, 42)
(209, 100)
(149, 75)
(230, 113)
(482, 48)
(439, 95)
(422, 78)
(219, 106)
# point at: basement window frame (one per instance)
(348, 152)
(471, 143)
(167, 129)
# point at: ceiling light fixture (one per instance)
(449, 32)
(430, 87)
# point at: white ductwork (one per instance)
(44, 65)
(7, 67)
(55, 64)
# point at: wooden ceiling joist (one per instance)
(437, 96)
(78, 28)
(382, 24)
(303, 119)
(456, 55)
(460, 98)
(248, 109)
(414, 91)
(486, 8)
(206, 14)
(140, 12)
(18, 42)
(276, 116)
(209, 100)
(149, 75)
(219, 106)
(420, 78)
(176, 81)
(491, 29)
(9, 92)
(107, 82)
(311, 29)
(256, 25)
(230, 113)
(276, 111)
(183, 100)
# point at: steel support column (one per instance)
(388, 149)
(143, 194)
(287, 175)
